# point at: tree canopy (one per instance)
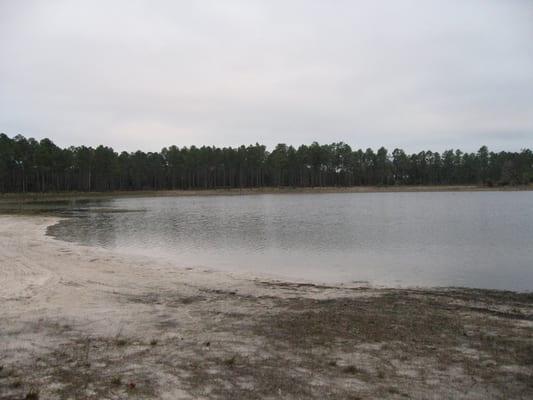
(28, 165)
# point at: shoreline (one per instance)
(59, 196)
(85, 322)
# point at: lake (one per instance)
(470, 239)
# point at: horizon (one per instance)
(354, 148)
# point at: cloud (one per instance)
(146, 74)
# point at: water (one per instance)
(471, 239)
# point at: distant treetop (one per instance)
(28, 165)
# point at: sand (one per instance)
(83, 322)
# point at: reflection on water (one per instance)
(401, 239)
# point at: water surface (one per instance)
(471, 239)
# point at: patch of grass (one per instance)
(121, 342)
(116, 381)
(153, 342)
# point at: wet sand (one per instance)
(82, 322)
(8, 198)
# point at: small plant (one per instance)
(153, 342)
(87, 349)
(350, 369)
(33, 394)
(332, 363)
(119, 340)
(393, 390)
(116, 381)
(230, 362)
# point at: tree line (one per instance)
(28, 165)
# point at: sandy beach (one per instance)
(82, 322)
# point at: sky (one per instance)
(131, 74)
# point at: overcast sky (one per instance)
(420, 74)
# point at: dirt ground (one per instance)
(83, 323)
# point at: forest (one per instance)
(29, 165)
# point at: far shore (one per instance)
(59, 196)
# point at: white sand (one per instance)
(59, 278)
